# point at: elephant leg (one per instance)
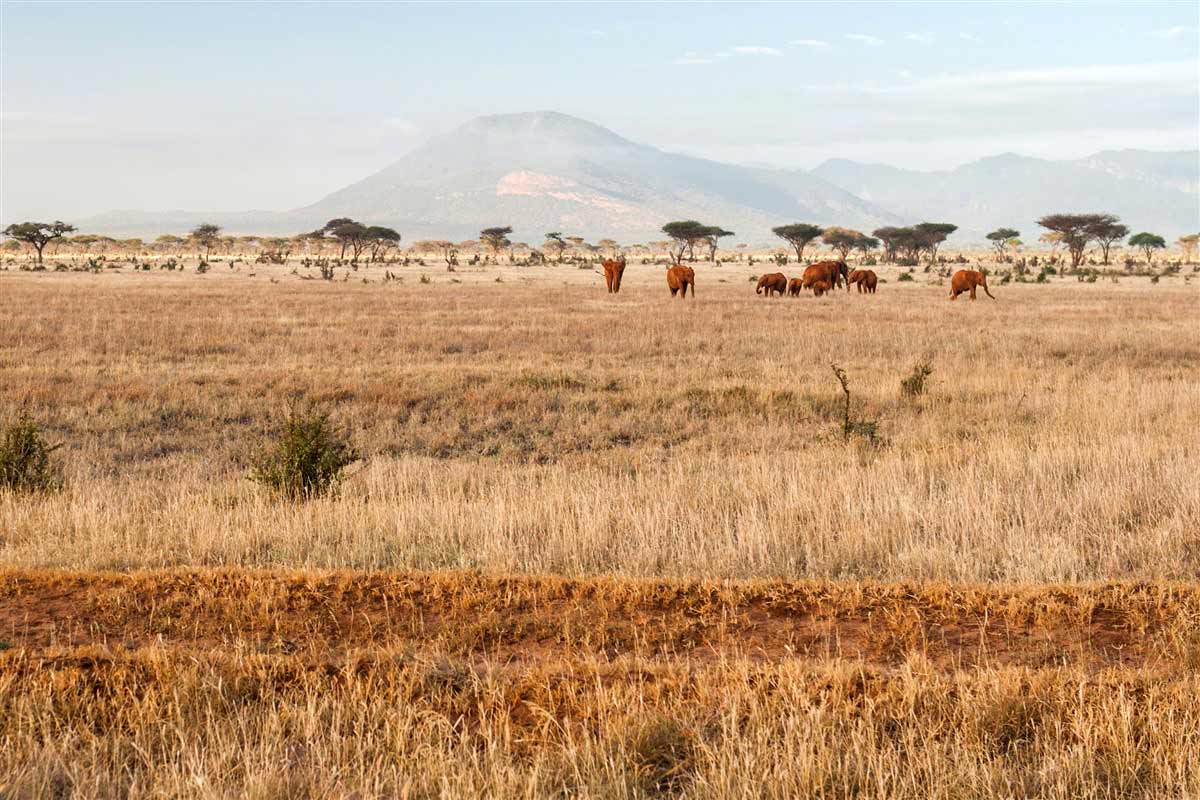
(972, 292)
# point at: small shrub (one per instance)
(25, 462)
(905, 276)
(308, 458)
(425, 279)
(202, 267)
(914, 384)
(1041, 278)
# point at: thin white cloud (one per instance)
(1179, 74)
(691, 58)
(756, 50)
(1171, 33)
(865, 38)
(810, 43)
(921, 38)
(970, 37)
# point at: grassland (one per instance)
(603, 546)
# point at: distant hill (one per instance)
(545, 171)
(1149, 191)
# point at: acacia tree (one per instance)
(865, 244)
(930, 236)
(1076, 230)
(496, 239)
(891, 237)
(684, 235)
(1148, 243)
(381, 239)
(554, 241)
(1002, 239)
(608, 247)
(712, 236)
(1107, 230)
(798, 236)
(843, 240)
(38, 234)
(206, 235)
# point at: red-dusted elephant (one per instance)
(864, 279)
(613, 270)
(679, 278)
(965, 280)
(772, 283)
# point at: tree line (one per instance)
(907, 244)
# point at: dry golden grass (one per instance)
(1015, 551)
(540, 425)
(453, 685)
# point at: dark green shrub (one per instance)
(905, 276)
(307, 459)
(25, 462)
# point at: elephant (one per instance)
(864, 279)
(679, 278)
(820, 287)
(613, 270)
(774, 282)
(965, 280)
(795, 285)
(830, 272)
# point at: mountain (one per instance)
(546, 171)
(1149, 191)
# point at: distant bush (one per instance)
(905, 276)
(914, 384)
(307, 459)
(25, 462)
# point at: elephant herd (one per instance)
(818, 278)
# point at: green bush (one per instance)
(25, 462)
(307, 459)
(905, 276)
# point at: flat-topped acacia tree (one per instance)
(798, 236)
(684, 236)
(1002, 239)
(495, 239)
(38, 234)
(1148, 243)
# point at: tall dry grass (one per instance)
(539, 425)
(391, 724)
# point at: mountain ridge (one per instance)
(545, 170)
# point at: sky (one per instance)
(238, 105)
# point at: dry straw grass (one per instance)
(539, 425)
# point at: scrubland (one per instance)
(610, 546)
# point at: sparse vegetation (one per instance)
(307, 458)
(26, 462)
(914, 384)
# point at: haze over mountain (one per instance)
(545, 171)
(1150, 191)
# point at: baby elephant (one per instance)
(864, 279)
(966, 280)
(795, 286)
(773, 283)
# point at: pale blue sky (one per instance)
(231, 106)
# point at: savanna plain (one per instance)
(603, 545)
